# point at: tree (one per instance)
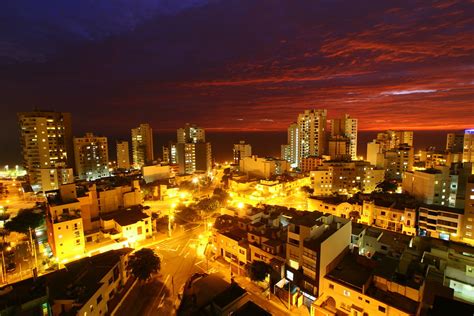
(386, 186)
(208, 205)
(258, 270)
(144, 263)
(307, 189)
(354, 216)
(4, 233)
(221, 195)
(25, 220)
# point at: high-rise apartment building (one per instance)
(47, 149)
(394, 150)
(241, 150)
(290, 151)
(430, 186)
(312, 129)
(397, 161)
(142, 145)
(375, 154)
(392, 139)
(191, 133)
(193, 153)
(454, 142)
(123, 154)
(468, 227)
(346, 127)
(339, 148)
(91, 156)
(468, 146)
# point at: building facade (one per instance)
(345, 178)
(91, 157)
(430, 186)
(142, 145)
(468, 146)
(312, 133)
(123, 154)
(346, 127)
(241, 150)
(46, 146)
(258, 167)
(454, 142)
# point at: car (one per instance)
(11, 267)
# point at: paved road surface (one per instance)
(179, 262)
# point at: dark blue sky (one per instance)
(237, 65)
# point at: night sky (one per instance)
(237, 65)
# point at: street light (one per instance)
(170, 218)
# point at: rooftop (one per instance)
(125, 217)
(444, 306)
(82, 278)
(229, 295)
(251, 309)
(352, 272)
(307, 219)
(334, 200)
(358, 228)
(314, 243)
(430, 171)
(443, 208)
(55, 200)
(395, 239)
(19, 293)
(394, 299)
(236, 234)
(373, 232)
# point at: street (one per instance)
(178, 262)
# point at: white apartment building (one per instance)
(91, 157)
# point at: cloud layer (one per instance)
(239, 64)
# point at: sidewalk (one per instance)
(274, 305)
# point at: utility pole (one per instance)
(4, 272)
(169, 223)
(33, 248)
(289, 294)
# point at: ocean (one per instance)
(263, 143)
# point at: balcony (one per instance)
(294, 236)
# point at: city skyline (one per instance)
(237, 157)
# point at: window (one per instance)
(111, 280)
(293, 241)
(99, 299)
(331, 286)
(382, 309)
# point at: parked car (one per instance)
(11, 267)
